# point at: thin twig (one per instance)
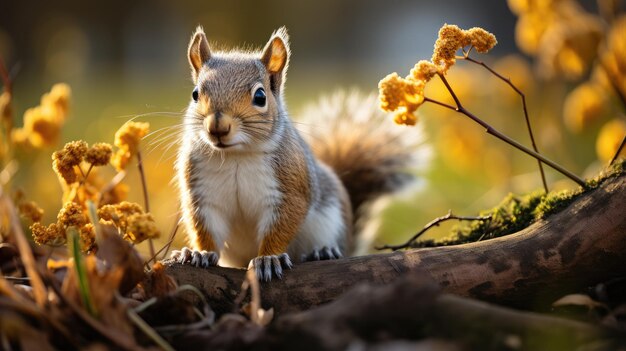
(490, 130)
(18, 280)
(172, 235)
(82, 173)
(8, 123)
(6, 79)
(255, 296)
(146, 201)
(243, 293)
(85, 175)
(452, 93)
(523, 96)
(618, 152)
(147, 329)
(434, 223)
(153, 258)
(112, 184)
(443, 104)
(40, 292)
(167, 245)
(88, 171)
(143, 182)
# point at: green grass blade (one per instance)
(73, 242)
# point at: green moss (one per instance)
(553, 202)
(515, 213)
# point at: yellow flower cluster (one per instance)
(42, 124)
(131, 220)
(42, 127)
(99, 154)
(66, 161)
(30, 211)
(424, 71)
(405, 95)
(77, 194)
(87, 237)
(141, 226)
(452, 38)
(71, 215)
(127, 139)
(401, 95)
(47, 235)
(67, 164)
(613, 56)
(583, 106)
(560, 33)
(117, 213)
(94, 189)
(610, 138)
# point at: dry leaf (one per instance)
(578, 300)
(158, 283)
(31, 339)
(264, 316)
(116, 252)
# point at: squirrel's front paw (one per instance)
(267, 266)
(196, 258)
(325, 253)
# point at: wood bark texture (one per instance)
(580, 246)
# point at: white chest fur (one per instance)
(236, 196)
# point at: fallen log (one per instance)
(410, 309)
(580, 246)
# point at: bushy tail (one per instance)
(371, 155)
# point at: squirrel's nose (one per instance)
(218, 126)
(219, 131)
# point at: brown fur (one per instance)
(291, 171)
(358, 162)
(371, 156)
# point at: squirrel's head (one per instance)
(237, 100)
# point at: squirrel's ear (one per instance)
(275, 57)
(198, 52)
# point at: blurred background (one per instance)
(128, 58)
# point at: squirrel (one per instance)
(252, 190)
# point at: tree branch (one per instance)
(578, 247)
(523, 97)
(434, 223)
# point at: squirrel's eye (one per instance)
(194, 94)
(259, 98)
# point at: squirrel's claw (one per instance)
(267, 266)
(203, 259)
(325, 253)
